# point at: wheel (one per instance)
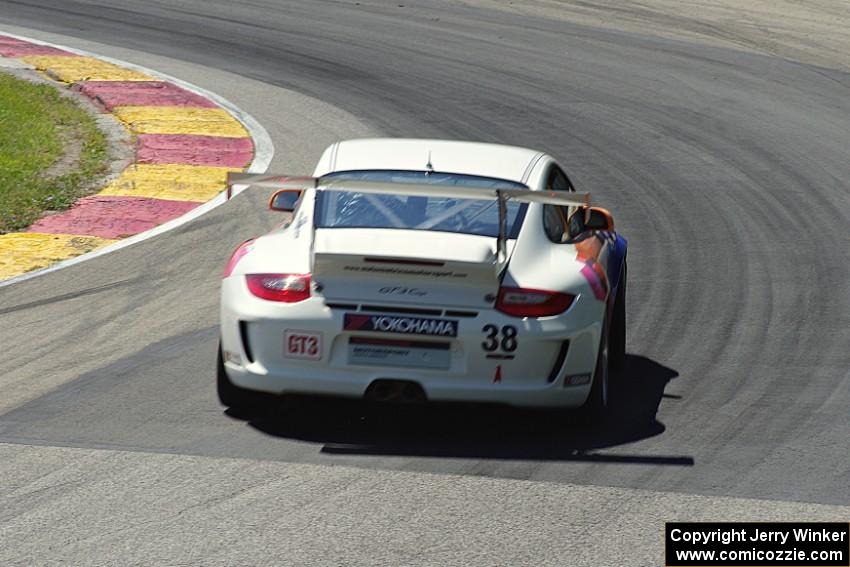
(230, 395)
(617, 352)
(596, 406)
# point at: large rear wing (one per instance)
(278, 182)
(501, 194)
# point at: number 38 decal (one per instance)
(499, 339)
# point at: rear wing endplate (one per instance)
(501, 194)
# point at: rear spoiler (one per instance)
(501, 194)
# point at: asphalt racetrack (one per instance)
(727, 171)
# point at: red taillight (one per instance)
(237, 255)
(288, 288)
(523, 302)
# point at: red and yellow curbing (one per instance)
(27, 251)
(185, 145)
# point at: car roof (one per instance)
(447, 156)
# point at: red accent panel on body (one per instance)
(594, 275)
(237, 255)
(589, 248)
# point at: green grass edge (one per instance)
(34, 120)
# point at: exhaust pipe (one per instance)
(395, 391)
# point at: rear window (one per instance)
(341, 209)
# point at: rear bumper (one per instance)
(535, 374)
(354, 384)
(531, 380)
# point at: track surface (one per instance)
(727, 172)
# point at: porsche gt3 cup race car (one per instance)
(427, 270)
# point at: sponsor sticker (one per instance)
(405, 353)
(401, 324)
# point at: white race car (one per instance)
(415, 270)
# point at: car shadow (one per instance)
(480, 432)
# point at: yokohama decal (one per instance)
(400, 324)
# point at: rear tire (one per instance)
(617, 352)
(229, 394)
(598, 401)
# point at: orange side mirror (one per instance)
(597, 218)
(285, 200)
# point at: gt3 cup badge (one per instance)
(400, 290)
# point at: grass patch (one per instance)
(50, 151)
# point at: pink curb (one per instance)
(194, 150)
(112, 217)
(25, 49)
(141, 93)
(125, 220)
(5, 40)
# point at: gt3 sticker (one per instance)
(303, 345)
